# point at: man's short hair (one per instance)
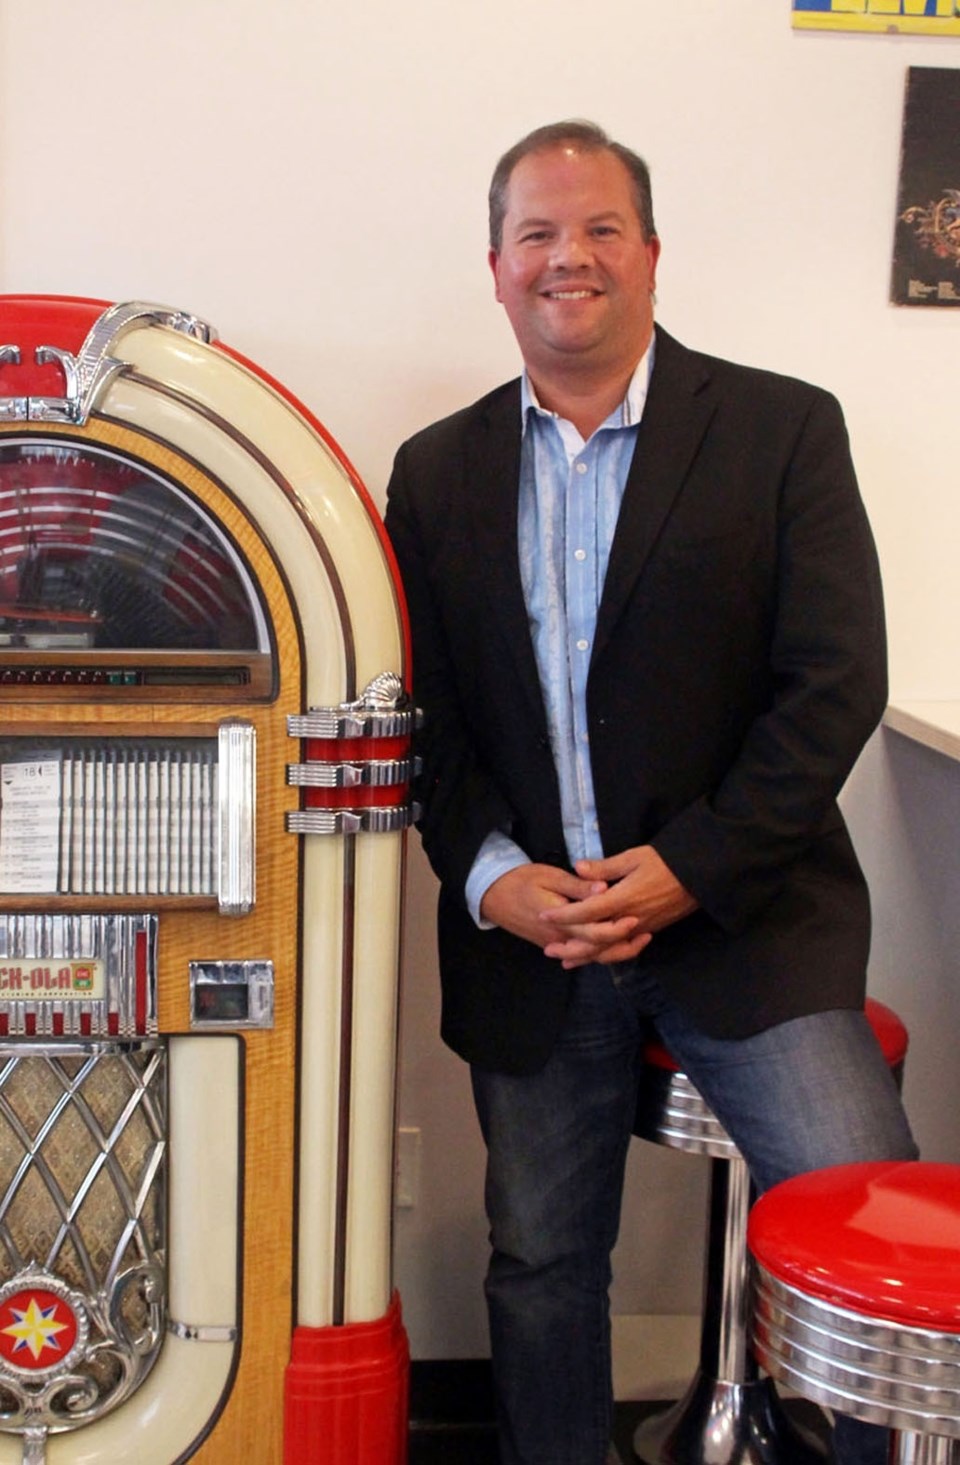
(588, 137)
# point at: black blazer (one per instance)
(737, 670)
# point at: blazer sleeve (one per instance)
(460, 803)
(733, 847)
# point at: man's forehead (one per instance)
(546, 164)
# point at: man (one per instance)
(648, 641)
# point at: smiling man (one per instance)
(648, 642)
(575, 271)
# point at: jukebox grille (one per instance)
(82, 1227)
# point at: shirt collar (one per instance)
(627, 414)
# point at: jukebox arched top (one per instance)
(140, 420)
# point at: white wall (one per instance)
(311, 178)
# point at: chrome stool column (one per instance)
(729, 1414)
(858, 1297)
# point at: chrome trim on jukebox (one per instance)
(378, 773)
(377, 713)
(12, 409)
(78, 975)
(888, 1373)
(350, 821)
(231, 994)
(237, 817)
(67, 407)
(342, 722)
(377, 719)
(34, 1447)
(87, 375)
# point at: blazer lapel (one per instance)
(492, 477)
(675, 418)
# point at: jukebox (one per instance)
(204, 788)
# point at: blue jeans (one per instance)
(812, 1092)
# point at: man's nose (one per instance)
(570, 251)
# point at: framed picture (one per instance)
(926, 249)
(906, 17)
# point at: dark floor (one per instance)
(467, 1444)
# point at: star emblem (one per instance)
(39, 1327)
(35, 1328)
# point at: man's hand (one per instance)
(635, 884)
(525, 900)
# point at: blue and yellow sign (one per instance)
(908, 17)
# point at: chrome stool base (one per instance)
(729, 1415)
(925, 1449)
(718, 1423)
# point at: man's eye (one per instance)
(535, 236)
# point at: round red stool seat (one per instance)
(889, 1032)
(857, 1300)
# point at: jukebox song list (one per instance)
(116, 819)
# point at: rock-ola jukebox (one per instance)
(204, 790)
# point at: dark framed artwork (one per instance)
(926, 249)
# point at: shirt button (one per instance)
(579, 554)
(582, 645)
(581, 468)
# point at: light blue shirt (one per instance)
(570, 497)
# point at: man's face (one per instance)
(574, 271)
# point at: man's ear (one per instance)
(653, 249)
(493, 260)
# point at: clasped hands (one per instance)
(608, 910)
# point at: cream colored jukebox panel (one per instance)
(191, 396)
(372, 1090)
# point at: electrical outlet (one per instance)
(407, 1176)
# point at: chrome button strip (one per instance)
(351, 821)
(378, 773)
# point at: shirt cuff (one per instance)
(497, 856)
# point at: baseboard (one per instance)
(653, 1358)
(451, 1392)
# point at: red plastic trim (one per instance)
(346, 1393)
(29, 321)
(349, 750)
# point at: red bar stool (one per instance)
(729, 1414)
(858, 1297)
